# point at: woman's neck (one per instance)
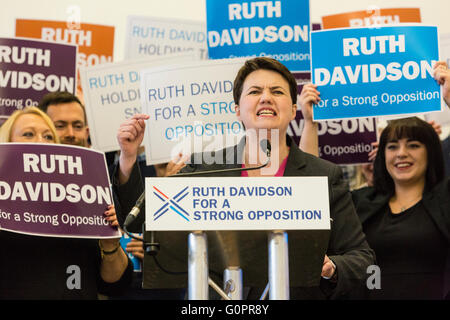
(406, 196)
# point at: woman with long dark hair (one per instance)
(406, 214)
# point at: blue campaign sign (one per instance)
(367, 72)
(124, 240)
(278, 29)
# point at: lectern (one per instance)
(264, 233)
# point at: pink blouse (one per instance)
(279, 173)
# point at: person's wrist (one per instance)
(109, 244)
(126, 164)
(108, 248)
(310, 122)
(127, 159)
(447, 101)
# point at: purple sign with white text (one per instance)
(31, 68)
(54, 190)
(347, 141)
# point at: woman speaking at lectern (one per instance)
(265, 96)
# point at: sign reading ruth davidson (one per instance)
(375, 71)
(278, 29)
(54, 190)
(31, 68)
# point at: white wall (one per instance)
(114, 13)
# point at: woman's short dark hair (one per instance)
(415, 129)
(264, 63)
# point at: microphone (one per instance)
(135, 210)
(132, 215)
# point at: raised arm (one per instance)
(442, 76)
(130, 136)
(309, 141)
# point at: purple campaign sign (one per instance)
(54, 190)
(31, 68)
(345, 141)
(342, 142)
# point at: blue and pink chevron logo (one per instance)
(172, 204)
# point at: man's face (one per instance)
(69, 122)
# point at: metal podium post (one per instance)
(198, 266)
(198, 273)
(278, 266)
(232, 278)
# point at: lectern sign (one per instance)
(227, 203)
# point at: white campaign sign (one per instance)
(148, 37)
(229, 203)
(112, 95)
(190, 105)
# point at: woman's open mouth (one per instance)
(266, 112)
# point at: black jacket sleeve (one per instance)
(348, 247)
(125, 197)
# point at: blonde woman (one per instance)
(35, 267)
(28, 125)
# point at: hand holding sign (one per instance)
(111, 216)
(308, 96)
(136, 248)
(130, 136)
(310, 139)
(442, 76)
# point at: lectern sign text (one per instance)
(227, 203)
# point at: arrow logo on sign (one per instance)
(171, 204)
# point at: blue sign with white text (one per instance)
(278, 29)
(367, 72)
